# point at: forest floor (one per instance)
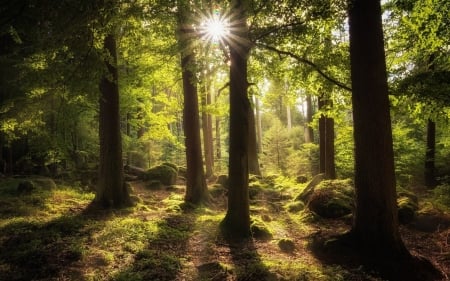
(56, 234)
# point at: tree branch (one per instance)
(307, 62)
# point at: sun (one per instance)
(215, 28)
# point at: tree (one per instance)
(326, 139)
(375, 225)
(236, 223)
(111, 190)
(196, 188)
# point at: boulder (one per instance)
(167, 175)
(332, 199)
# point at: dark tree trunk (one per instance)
(258, 125)
(375, 223)
(111, 188)
(218, 143)
(309, 132)
(207, 132)
(253, 163)
(430, 178)
(326, 141)
(196, 188)
(237, 220)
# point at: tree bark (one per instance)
(258, 124)
(375, 223)
(237, 220)
(207, 131)
(309, 132)
(430, 178)
(196, 188)
(326, 141)
(111, 189)
(253, 163)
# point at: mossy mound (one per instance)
(407, 208)
(166, 174)
(29, 185)
(217, 190)
(430, 219)
(286, 245)
(295, 207)
(222, 180)
(332, 198)
(260, 230)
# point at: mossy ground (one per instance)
(57, 234)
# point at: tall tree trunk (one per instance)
(111, 189)
(430, 178)
(196, 188)
(207, 131)
(237, 220)
(258, 124)
(288, 117)
(309, 132)
(218, 145)
(326, 141)
(375, 223)
(253, 163)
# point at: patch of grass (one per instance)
(151, 265)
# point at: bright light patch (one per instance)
(215, 29)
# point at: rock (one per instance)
(260, 231)
(286, 245)
(223, 180)
(309, 189)
(301, 179)
(332, 199)
(26, 186)
(163, 173)
(295, 207)
(407, 208)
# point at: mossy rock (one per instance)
(174, 166)
(182, 171)
(29, 185)
(332, 199)
(260, 231)
(407, 208)
(167, 175)
(217, 190)
(309, 189)
(25, 187)
(286, 245)
(295, 207)
(301, 179)
(430, 219)
(223, 180)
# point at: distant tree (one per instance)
(326, 139)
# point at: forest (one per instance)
(224, 140)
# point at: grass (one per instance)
(55, 234)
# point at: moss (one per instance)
(217, 190)
(332, 198)
(294, 207)
(260, 230)
(286, 245)
(222, 180)
(407, 208)
(165, 174)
